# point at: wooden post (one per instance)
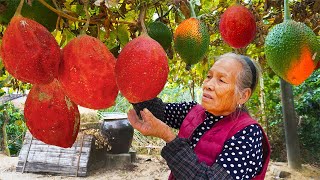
(290, 126)
(26, 160)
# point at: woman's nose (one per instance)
(209, 85)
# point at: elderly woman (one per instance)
(217, 139)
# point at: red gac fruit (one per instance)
(29, 52)
(51, 116)
(237, 26)
(87, 73)
(141, 69)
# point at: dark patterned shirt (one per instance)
(241, 157)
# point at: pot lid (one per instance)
(113, 115)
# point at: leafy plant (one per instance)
(307, 104)
(12, 122)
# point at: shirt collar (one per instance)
(212, 117)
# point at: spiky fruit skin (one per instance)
(87, 73)
(290, 49)
(191, 40)
(237, 26)
(51, 116)
(161, 33)
(36, 11)
(141, 69)
(29, 52)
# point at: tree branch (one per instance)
(62, 14)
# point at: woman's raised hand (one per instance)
(149, 125)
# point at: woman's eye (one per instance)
(209, 76)
(221, 80)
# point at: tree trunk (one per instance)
(290, 125)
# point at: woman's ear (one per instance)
(245, 95)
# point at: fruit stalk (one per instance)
(19, 8)
(142, 16)
(286, 10)
(86, 26)
(192, 13)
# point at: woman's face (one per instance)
(219, 96)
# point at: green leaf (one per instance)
(78, 9)
(67, 36)
(122, 34)
(111, 42)
(1, 64)
(2, 92)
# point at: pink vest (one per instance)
(212, 141)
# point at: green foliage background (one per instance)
(15, 129)
(117, 23)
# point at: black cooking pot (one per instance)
(118, 131)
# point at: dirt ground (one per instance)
(147, 167)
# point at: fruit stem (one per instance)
(19, 8)
(142, 16)
(192, 13)
(86, 26)
(287, 15)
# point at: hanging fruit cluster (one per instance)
(81, 74)
(191, 38)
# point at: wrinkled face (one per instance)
(219, 94)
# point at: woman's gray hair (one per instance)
(246, 76)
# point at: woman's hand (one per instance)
(150, 125)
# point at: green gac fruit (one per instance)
(291, 51)
(161, 33)
(191, 40)
(36, 12)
